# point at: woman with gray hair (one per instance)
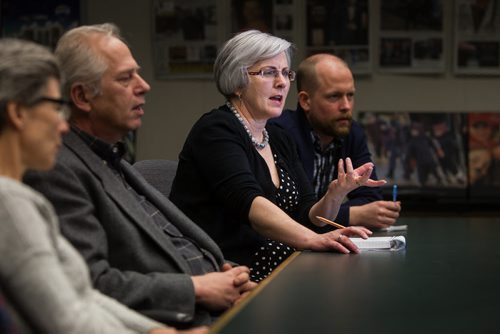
(43, 277)
(240, 178)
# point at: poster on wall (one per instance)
(40, 21)
(251, 14)
(424, 153)
(477, 37)
(283, 23)
(484, 155)
(340, 27)
(184, 38)
(275, 17)
(411, 36)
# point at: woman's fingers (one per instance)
(340, 168)
(348, 166)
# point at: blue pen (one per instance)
(394, 192)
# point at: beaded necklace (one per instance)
(265, 140)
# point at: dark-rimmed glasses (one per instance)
(63, 106)
(272, 73)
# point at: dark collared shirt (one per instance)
(199, 260)
(324, 165)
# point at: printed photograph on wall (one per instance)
(185, 38)
(283, 22)
(411, 36)
(272, 16)
(477, 37)
(484, 155)
(421, 152)
(40, 21)
(252, 14)
(340, 27)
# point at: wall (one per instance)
(173, 106)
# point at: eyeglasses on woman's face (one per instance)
(62, 106)
(272, 73)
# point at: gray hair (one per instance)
(241, 52)
(80, 62)
(25, 68)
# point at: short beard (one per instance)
(332, 129)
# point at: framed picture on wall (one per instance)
(252, 14)
(339, 27)
(484, 155)
(272, 16)
(39, 21)
(184, 38)
(424, 153)
(44, 22)
(477, 37)
(283, 23)
(411, 36)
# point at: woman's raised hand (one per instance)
(349, 178)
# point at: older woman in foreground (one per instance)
(43, 276)
(240, 178)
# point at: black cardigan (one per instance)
(219, 175)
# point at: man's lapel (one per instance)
(171, 211)
(130, 207)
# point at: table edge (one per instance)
(220, 323)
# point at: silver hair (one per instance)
(241, 52)
(80, 62)
(25, 68)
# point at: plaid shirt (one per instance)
(324, 165)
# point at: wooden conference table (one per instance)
(446, 281)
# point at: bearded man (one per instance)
(324, 132)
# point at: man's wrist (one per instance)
(353, 216)
(198, 289)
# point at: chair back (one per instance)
(159, 173)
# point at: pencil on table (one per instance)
(328, 221)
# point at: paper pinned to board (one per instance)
(393, 243)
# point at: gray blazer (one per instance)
(130, 258)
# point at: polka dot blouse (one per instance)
(269, 256)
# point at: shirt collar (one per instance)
(317, 145)
(111, 154)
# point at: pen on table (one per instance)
(394, 192)
(329, 222)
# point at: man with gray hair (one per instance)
(141, 249)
